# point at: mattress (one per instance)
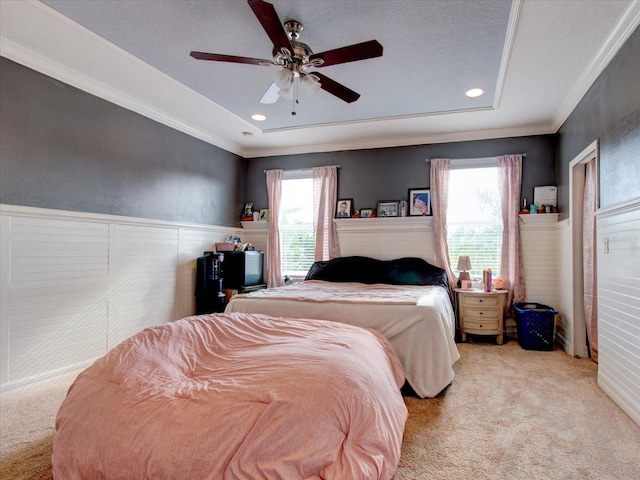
(418, 321)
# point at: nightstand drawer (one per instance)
(482, 328)
(479, 314)
(480, 300)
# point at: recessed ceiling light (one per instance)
(258, 117)
(474, 92)
(247, 134)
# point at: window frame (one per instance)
(471, 164)
(288, 175)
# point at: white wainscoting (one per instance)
(389, 238)
(541, 258)
(564, 325)
(539, 236)
(386, 238)
(381, 238)
(73, 285)
(618, 257)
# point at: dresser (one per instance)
(481, 313)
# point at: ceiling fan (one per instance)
(293, 58)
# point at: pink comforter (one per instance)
(236, 396)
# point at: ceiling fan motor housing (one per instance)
(301, 51)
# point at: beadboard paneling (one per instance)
(387, 238)
(565, 289)
(58, 306)
(72, 285)
(142, 281)
(618, 248)
(381, 238)
(540, 257)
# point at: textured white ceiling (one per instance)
(534, 59)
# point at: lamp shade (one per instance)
(464, 263)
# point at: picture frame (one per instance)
(366, 212)
(388, 208)
(264, 215)
(247, 212)
(344, 208)
(419, 200)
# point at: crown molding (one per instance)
(623, 30)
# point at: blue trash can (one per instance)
(536, 325)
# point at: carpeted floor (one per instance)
(509, 414)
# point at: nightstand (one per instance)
(481, 313)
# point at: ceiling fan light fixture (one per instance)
(283, 78)
(474, 92)
(311, 83)
(286, 93)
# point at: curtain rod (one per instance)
(300, 169)
(478, 159)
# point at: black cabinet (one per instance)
(210, 297)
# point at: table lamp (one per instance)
(464, 265)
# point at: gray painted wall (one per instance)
(388, 173)
(609, 111)
(65, 149)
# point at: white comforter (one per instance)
(418, 321)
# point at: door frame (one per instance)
(578, 346)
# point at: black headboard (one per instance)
(401, 271)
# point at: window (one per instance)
(474, 219)
(296, 223)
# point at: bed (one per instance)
(407, 300)
(236, 396)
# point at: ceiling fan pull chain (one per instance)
(295, 94)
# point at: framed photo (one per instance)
(344, 208)
(247, 213)
(366, 212)
(419, 201)
(264, 215)
(388, 208)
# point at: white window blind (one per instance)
(296, 223)
(474, 221)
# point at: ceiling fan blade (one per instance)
(268, 18)
(271, 95)
(359, 51)
(337, 89)
(230, 58)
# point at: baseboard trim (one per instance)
(36, 381)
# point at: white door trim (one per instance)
(578, 346)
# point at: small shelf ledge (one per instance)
(383, 223)
(255, 226)
(539, 218)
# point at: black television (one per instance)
(241, 270)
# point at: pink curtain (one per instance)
(589, 256)
(511, 265)
(439, 197)
(325, 197)
(274, 190)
